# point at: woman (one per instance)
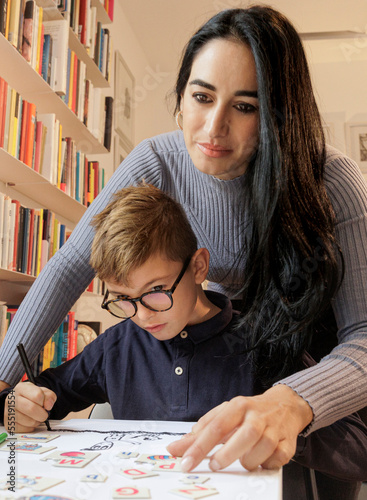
(284, 221)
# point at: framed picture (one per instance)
(356, 137)
(119, 152)
(123, 101)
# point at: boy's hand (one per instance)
(259, 430)
(31, 404)
(3, 385)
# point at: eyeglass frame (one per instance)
(133, 301)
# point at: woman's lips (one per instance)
(212, 150)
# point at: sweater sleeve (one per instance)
(335, 387)
(68, 273)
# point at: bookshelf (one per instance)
(18, 178)
(32, 87)
(24, 180)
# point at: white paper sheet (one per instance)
(108, 438)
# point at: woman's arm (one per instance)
(334, 388)
(66, 276)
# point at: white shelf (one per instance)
(30, 183)
(32, 87)
(102, 15)
(15, 277)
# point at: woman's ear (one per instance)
(200, 263)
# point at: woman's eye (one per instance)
(201, 98)
(245, 107)
(157, 288)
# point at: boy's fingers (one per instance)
(31, 403)
(49, 398)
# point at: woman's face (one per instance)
(220, 109)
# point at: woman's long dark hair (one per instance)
(290, 257)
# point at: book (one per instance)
(82, 28)
(2, 201)
(21, 25)
(40, 49)
(45, 243)
(110, 9)
(59, 31)
(27, 44)
(35, 35)
(39, 242)
(17, 211)
(11, 111)
(7, 118)
(49, 166)
(72, 336)
(13, 30)
(25, 240)
(3, 101)
(29, 145)
(18, 249)
(3, 16)
(6, 233)
(31, 247)
(38, 146)
(17, 124)
(13, 210)
(23, 132)
(108, 122)
(46, 58)
(3, 322)
(35, 242)
(38, 40)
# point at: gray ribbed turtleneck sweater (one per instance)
(335, 387)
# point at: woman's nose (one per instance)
(217, 122)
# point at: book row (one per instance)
(18, 117)
(28, 237)
(44, 43)
(79, 13)
(62, 346)
(36, 140)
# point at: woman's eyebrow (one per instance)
(209, 86)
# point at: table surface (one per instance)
(108, 438)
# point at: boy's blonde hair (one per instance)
(141, 221)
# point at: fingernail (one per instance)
(187, 464)
(214, 465)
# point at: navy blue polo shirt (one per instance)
(148, 379)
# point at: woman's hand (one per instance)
(27, 406)
(259, 430)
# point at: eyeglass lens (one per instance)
(155, 300)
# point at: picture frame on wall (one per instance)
(356, 138)
(123, 99)
(119, 151)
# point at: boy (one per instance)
(173, 355)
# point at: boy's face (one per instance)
(158, 273)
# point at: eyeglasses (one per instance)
(158, 301)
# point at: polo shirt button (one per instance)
(178, 370)
(183, 334)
